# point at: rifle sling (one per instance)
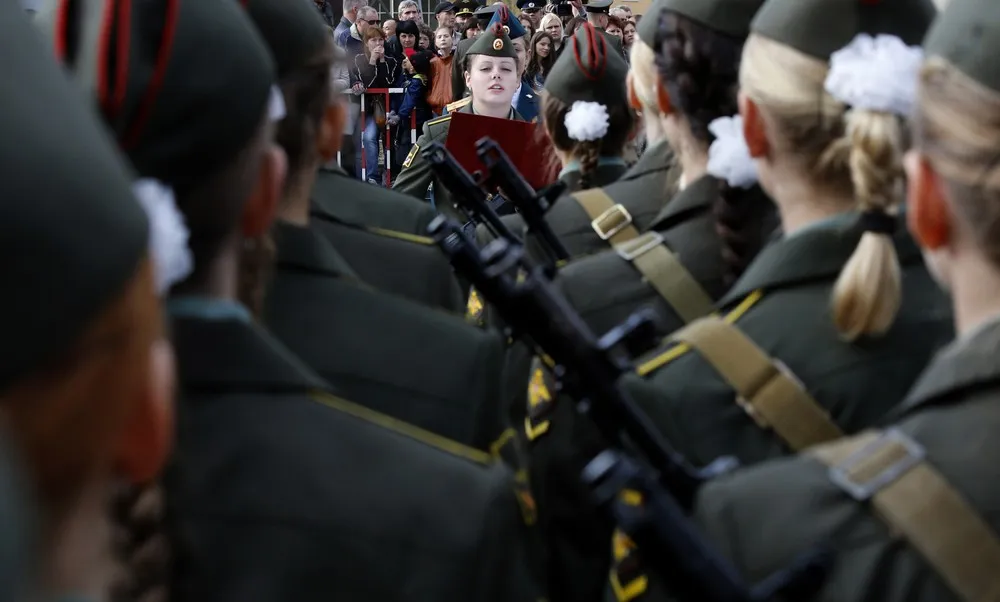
(662, 269)
(889, 470)
(765, 388)
(610, 220)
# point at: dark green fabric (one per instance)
(391, 261)
(967, 35)
(588, 69)
(821, 27)
(493, 42)
(731, 17)
(415, 179)
(856, 383)
(73, 234)
(397, 357)
(953, 413)
(18, 520)
(212, 100)
(377, 208)
(294, 31)
(605, 289)
(314, 501)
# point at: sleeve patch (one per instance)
(540, 403)
(410, 156)
(474, 308)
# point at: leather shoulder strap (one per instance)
(667, 275)
(611, 221)
(765, 388)
(889, 470)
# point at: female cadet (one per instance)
(85, 373)
(684, 72)
(422, 366)
(491, 75)
(910, 511)
(264, 455)
(588, 119)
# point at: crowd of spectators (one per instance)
(402, 52)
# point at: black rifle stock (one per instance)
(471, 197)
(589, 370)
(532, 206)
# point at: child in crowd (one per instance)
(413, 102)
(440, 92)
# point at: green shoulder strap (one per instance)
(766, 390)
(889, 471)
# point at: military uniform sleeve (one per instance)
(416, 175)
(509, 559)
(559, 443)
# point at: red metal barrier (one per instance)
(387, 177)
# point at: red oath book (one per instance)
(525, 143)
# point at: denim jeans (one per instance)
(369, 138)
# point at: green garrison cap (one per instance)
(821, 27)
(196, 86)
(588, 70)
(511, 26)
(493, 42)
(294, 31)
(598, 6)
(73, 234)
(967, 34)
(730, 17)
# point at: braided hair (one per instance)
(700, 69)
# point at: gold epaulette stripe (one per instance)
(406, 429)
(414, 238)
(451, 106)
(440, 119)
(648, 367)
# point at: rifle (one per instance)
(589, 370)
(532, 206)
(472, 199)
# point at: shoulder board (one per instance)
(454, 106)
(453, 448)
(439, 120)
(406, 236)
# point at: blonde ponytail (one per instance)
(868, 292)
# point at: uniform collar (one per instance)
(229, 355)
(969, 363)
(303, 249)
(659, 157)
(812, 254)
(329, 200)
(513, 114)
(695, 197)
(573, 167)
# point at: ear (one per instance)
(753, 128)
(928, 215)
(331, 130)
(468, 80)
(148, 437)
(663, 98)
(260, 210)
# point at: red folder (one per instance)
(525, 143)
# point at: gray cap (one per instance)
(967, 35)
(821, 27)
(730, 17)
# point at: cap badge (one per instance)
(506, 31)
(498, 44)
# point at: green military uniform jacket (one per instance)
(394, 356)
(763, 516)
(376, 208)
(856, 383)
(416, 175)
(641, 190)
(606, 289)
(317, 498)
(696, 410)
(394, 261)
